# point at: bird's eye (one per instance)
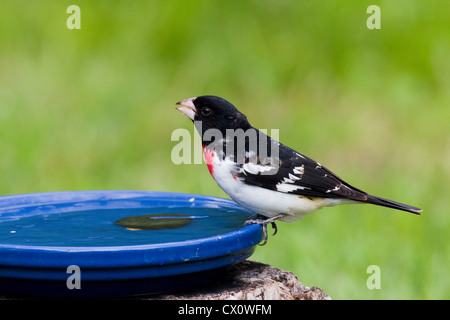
(206, 111)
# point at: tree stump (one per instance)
(245, 280)
(250, 280)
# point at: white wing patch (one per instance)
(299, 170)
(291, 179)
(286, 187)
(288, 183)
(334, 189)
(255, 168)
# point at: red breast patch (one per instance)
(209, 158)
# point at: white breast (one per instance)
(263, 201)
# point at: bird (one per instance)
(280, 185)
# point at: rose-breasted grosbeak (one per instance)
(283, 185)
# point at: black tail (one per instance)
(392, 204)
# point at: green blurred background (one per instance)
(94, 109)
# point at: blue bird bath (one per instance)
(120, 242)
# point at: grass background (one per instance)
(93, 109)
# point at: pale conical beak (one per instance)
(187, 107)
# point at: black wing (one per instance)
(292, 172)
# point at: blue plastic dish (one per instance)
(42, 234)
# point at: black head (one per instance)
(214, 113)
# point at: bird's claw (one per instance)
(264, 223)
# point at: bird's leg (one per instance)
(264, 223)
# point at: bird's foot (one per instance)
(264, 222)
